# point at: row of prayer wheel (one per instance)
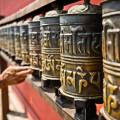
(71, 48)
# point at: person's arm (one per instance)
(1, 81)
(14, 75)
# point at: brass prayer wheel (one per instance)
(35, 43)
(50, 46)
(81, 58)
(7, 39)
(4, 38)
(111, 59)
(2, 34)
(24, 40)
(2, 44)
(17, 41)
(11, 39)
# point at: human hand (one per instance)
(15, 74)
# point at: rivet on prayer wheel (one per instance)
(111, 59)
(81, 58)
(50, 48)
(24, 40)
(35, 45)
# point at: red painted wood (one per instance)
(99, 106)
(8, 7)
(36, 106)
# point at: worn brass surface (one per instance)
(17, 42)
(81, 59)
(50, 47)
(35, 44)
(3, 38)
(111, 58)
(11, 40)
(24, 40)
(7, 39)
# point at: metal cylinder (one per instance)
(17, 40)
(24, 40)
(35, 43)
(2, 44)
(50, 46)
(7, 39)
(111, 59)
(4, 40)
(81, 58)
(1, 37)
(11, 40)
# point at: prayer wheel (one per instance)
(24, 40)
(35, 43)
(7, 39)
(111, 59)
(50, 47)
(1, 37)
(81, 58)
(17, 41)
(11, 40)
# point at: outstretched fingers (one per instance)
(24, 72)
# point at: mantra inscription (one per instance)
(51, 66)
(25, 46)
(79, 80)
(12, 41)
(51, 39)
(84, 44)
(17, 43)
(50, 52)
(111, 46)
(111, 66)
(81, 61)
(35, 49)
(111, 101)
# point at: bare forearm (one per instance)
(14, 75)
(1, 81)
